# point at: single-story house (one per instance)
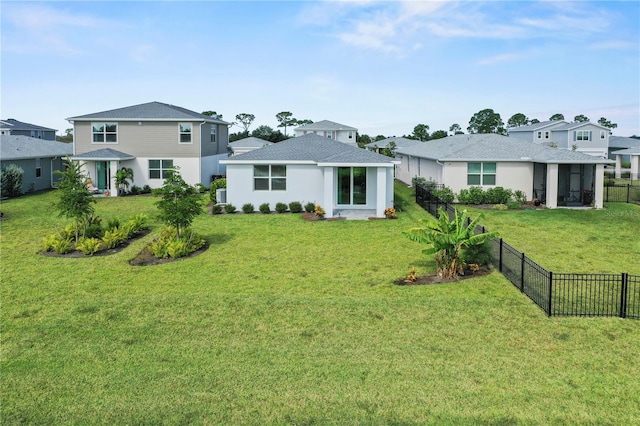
(634, 158)
(150, 139)
(617, 143)
(39, 158)
(557, 177)
(311, 168)
(247, 144)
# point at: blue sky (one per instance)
(382, 67)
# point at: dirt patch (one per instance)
(104, 252)
(435, 279)
(146, 258)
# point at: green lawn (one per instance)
(284, 321)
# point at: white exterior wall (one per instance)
(189, 170)
(304, 184)
(410, 167)
(337, 135)
(514, 176)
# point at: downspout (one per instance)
(200, 153)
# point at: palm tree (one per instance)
(448, 239)
(124, 178)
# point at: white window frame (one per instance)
(350, 134)
(182, 131)
(270, 177)
(546, 134)
(602, 134)
(163, 169)
(482, 173)
(214, 133)
(104, 133)
(539, 134)
(38, 168)
(583, 135)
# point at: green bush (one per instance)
(248, 208)
(514, 205)
(264, 208)
(169, 244)
(177, 248)
(230, 208)
(310, 207)
(114, 237)
(113, 223)
(473, 195)
(520, 197)
(479, 254)
(216, 209)
(89, 246)
(146, 189)
(216, 184)
(500, 207)
(295, 207)
(281, 207)
(445, 194)
(93, 227)
(58, 243)
(11, 180)
(497, 195)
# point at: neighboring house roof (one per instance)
(628, 151)
(105, 154)
(571, 126)
(399, 141)
(151, 111)
(493, 147)
(312, 149)
(15, 147)
(12, 124)
(249, 142)
(536, 126)
(324, 125)
(622, 142)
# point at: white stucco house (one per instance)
(247, 144)
(310, 168)
(558, 177)
(330, 130)
(586, 137)
(633, 154)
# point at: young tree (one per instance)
(455, 129)
(124, 178)
(389, 150)
(606, 123)
(556, 117)
(486, 121)
(285, 118)
(580, 119)
(11, 178)
(518, 120)
(245, 120)
(421, 132)
(180, 204)
(448, 239)
(75, 198)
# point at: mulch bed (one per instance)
(105, 252)
(146, 258)
(435, 279)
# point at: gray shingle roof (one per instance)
(325, 125)
(103, 155)
(622, 142)
(312, 148)
(148, 111)
(536, 126)
(249, 142)
(628, 151)
(399, 141)
(13, 147)
(493, 147)
(13, 124)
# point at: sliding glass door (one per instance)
(352, 185)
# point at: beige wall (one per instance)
(515, 176)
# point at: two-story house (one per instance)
(586, 137)
(329, 129)
(19, 128)
(150, 139)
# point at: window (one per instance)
(539, 135)
(329, 134)
(213, 133)
(105, 132)
(583, 135)
(481, 173)
(602, 134)
(159, 169)
(185, 132)
(270, 178)
(546, 135)
(352, 185)
(350, 134)
(38, 167)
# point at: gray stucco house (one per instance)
(19, 128)
(150, 139)
(558, 177)
(37, 157)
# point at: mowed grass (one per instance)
(284, 321)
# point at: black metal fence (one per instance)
(558, 294)
(622, 193)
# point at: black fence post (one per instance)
(522, 273)
(500, 257)
(628, 193)
(550, 293)
(623, 295)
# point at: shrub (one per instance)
(295, 207)
(473, 195)
(11, 180)
(281, 207)
(500, 207)
(520, 197)
(498, 195)
(170, 244)
(479, 254)
(216, 209)
(514, 205)
(309, 207)
(113, 223)
(139, 222)
(146, 189)
(319, 211)
(93, 228)
(248, 208)
(264, 208)
(135, 190)
(58, 243)
(114, 237)
(216, 184)
(200, 188)
(463, 196)
(445, 194)
(89, 246)
(390, 213)
(177, 248)
(230, 208)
